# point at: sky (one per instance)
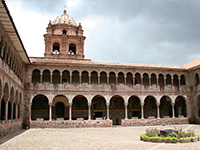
(163, 32)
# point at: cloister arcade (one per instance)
(10, 103)
(103, 77)
(116, 107)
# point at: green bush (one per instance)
(173, 134)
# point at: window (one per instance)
(64, 32)
(72, 49)
(56, 48)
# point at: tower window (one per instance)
(72, 49)
(64, 32)
(56, 48)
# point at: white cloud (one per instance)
(31, 26)
(72, 3)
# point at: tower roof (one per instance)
(64, 19)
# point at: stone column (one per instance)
(157, 80)
(142, 110)
(125, 79)
(126, 113)
(133, 80)
(107, 79)
(50, 111)
(51, 77)
(12, 111)
(70, 111)
(40, 77)
(142, 81)
(99, 77)
(16, 112)
(107, 105)
(158, 110)
(89, 111)
(165, 81)
(6, 111)
(60, 78)
(1, 96)
(173, 112)
(149, 81)
(30, 110)
(89, 79)
(70, 78)
(179, 83)
(80, 78)
(116, 79)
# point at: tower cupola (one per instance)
(64, 38)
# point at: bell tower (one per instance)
(64, 38)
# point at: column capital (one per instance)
(50, 103)
(70, 104)
(142, 103)
(107, 104)
(158, 103)
(126, 103)
(89, 104)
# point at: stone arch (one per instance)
(180, 107)
(94, 77)
(56, 76)
(85, 77)
(175, 80)
(196, 79)
(150, 107)
(60, 107)
(168, 79)
(103, 78)
(75, 77)
(66, 76)
(134, 107)
(182, 80)
(137, 79)
(165, 107)
(121, 78)
(117, 109)
(6, 91)
(79, 107)
(161, 80)
(129, 78)
(36, 76)
(112, 78)
(40, 107)
(153, 79)
(12, 97)
(46, 76)
(98, 107)
(145, 79)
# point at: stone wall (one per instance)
(73, 123)
(143, 122)
(9, 128)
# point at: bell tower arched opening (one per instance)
(72, 49)
(56, 48)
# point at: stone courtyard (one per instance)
(109, 138)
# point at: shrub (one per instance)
(152, 132)
(173, 134)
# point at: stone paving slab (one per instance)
(115, 138)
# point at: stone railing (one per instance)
(153, 121)
(103, 87)
(72, 123)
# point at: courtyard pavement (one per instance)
(114, 138)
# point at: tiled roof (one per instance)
(43, 60)
(191, 64)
